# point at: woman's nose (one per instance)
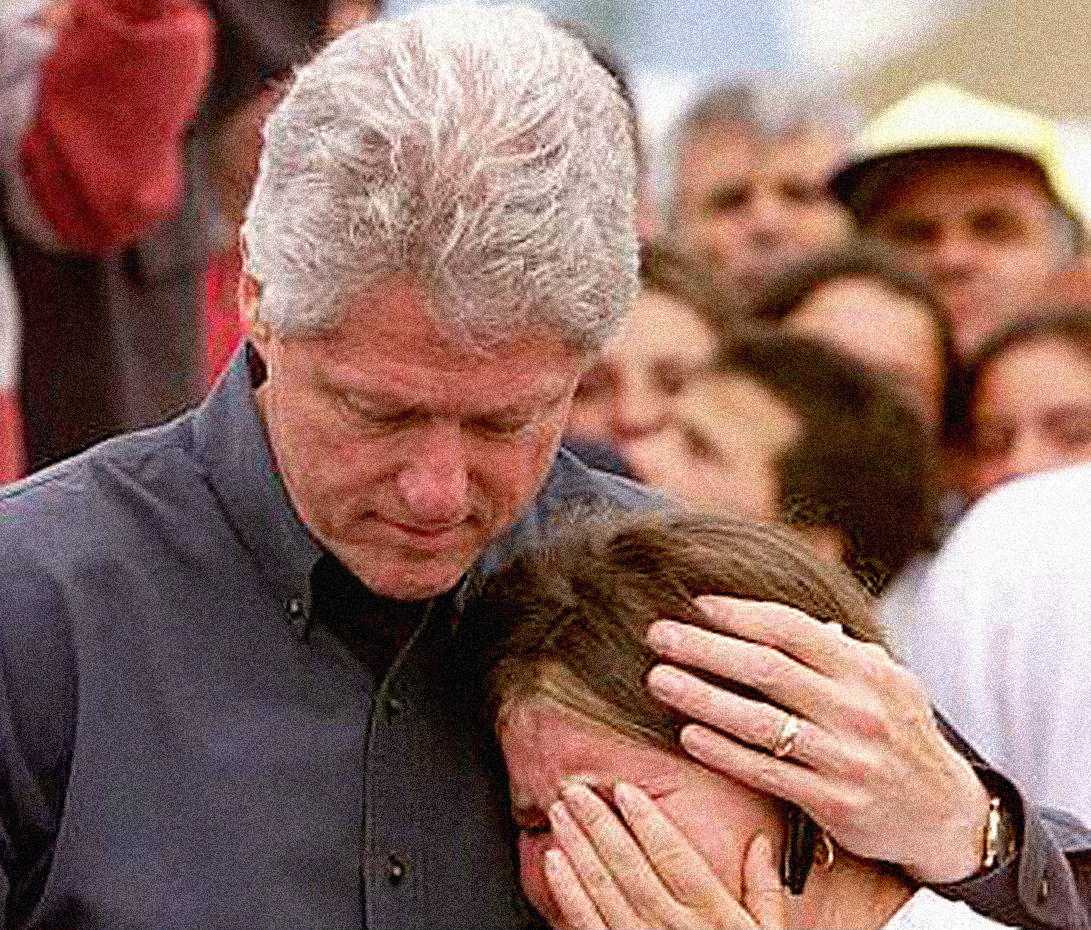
(638, 410)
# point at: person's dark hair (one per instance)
(796, 285)
(863, 464)
(664, 271)
(1072, 326)
(567, 620)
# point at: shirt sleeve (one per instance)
(102, 156)
(1038, 888)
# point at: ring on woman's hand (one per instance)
(787, 737)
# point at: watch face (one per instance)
(1000, 840)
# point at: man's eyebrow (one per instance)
(523, 407)
(387, 406)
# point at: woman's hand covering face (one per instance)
(634, 869)
(867, 761)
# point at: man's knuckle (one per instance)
(767, 773)
(767, 670)
(837, 811)
(871, 721)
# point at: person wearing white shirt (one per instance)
(1002, 634)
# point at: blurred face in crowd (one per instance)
(749, 207)
(983, 229)
(1031, 412)
(886, 332)
(342, 15)
(543, 745)
(404, 454)
(627, 395)
(722, 448)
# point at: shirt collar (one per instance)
(231, 444)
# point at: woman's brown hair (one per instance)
(567, 620)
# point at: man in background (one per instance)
(749, 194)
(971, 194)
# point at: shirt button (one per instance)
(1043, 890)
(395, 869)
(297, 617)
(394, 707)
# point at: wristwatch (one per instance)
(1001, 842)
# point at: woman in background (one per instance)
(672, 334)
(787, 430)
(859, 304)
(1027, 400)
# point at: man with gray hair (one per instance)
(231, 663)
(748, 192)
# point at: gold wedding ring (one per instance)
(787, 737)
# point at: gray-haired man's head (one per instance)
(479, 150)
(748, 198)
(440, 238)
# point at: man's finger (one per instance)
(764, 668)
(577, 909)
(755, 722)
(761, 771)
(816, 644)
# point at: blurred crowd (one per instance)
(856, 330)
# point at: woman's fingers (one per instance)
(634, 885)
(577, 909)
(685, 873)
(762, 892)
(591, 871)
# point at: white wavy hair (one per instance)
(479, 149)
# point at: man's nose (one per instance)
(767, 219)
(1031, 453)
(433, 482)
(954, 254)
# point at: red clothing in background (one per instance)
(11, 437)
(223, 326)
(103, 155)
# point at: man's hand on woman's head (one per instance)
(634, 869)
(864, 757)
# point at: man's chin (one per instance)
(403, 580)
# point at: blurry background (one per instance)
(1031, 53)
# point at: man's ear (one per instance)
(249, 301)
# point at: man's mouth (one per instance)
(435, 536)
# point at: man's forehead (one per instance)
(723, 152)
(399, 319)
(970, 177)
(718, 149)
